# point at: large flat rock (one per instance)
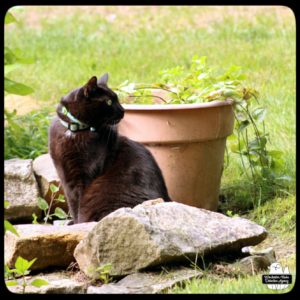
(52, 245)
(146, 282)
(58, 283)
(20, 189)
(139, 283)
(152, 235)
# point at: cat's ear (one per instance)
(103, 79)
(90, 86)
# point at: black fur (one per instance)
(101, 171)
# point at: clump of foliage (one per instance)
(46, 208)
(200, 83)
(26, 136)
(22, 265)
(21, 141)
(22, 269)
(103, 273)
(13, 61)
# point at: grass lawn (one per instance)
(70, 44)
(281, 236)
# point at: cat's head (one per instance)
(94, 103)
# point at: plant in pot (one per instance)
(184, 119)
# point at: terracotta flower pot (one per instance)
(188, 143)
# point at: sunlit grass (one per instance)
(241, 285)
(278, 216)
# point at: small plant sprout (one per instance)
(46, 208)
(22, 269)
(7, 225)
(103, 272)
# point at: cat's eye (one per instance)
(109, 102)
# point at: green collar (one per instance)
(75, 124)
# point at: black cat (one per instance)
(100, 171)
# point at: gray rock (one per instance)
(252, 264)
(58, 283)
(20, 189)
(258, 260)
(269, 252)
(151, 235)
(146, 282)
(62, 222)
(51, 245)
(46, 175)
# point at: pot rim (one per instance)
(215, 103)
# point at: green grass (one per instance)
(241, 285)
(69, 48)
(283, 210)
(281, 236)
(69, 45)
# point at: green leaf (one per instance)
(16, 88)
(7, 269)
(61, 198)
(9, 56)
(241, 116)
(259, 114)
(10, 68)
(42, 203)
(22, 265)
(242, 125)
(276, 154)
(34, 221)
(20, 58)
(54, 188)
(104, 269)
(232, 138)
(11, 283)
(6, 204)
(9, 227)
(9, 18)
(258, 143)
(60, 213)
(38, 282)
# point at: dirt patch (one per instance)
(22, 104)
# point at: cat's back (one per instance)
(134, 166)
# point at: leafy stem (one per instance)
(200, 83)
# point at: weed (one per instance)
(46, 208)
(22, 268)
(103, 273)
